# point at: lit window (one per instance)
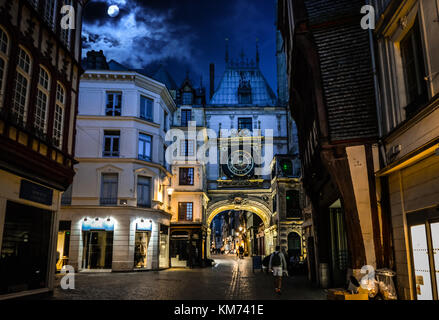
(186, 177)
(42, 101)
(58, 124)
(185, 211)
(22, 80)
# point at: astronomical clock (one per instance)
(240, 165)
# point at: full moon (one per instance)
(113, 11)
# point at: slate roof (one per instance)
(227, 90)
(346, 67)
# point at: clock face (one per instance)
(240, 163)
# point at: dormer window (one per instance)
(244, 92)
(187, 98)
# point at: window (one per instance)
(187, 98)
(293, 204)
(187, 148)
(58, 124)
(111, 143)
(165, 123)
(414, 70)
(185, 211)
(144, 192)
(22, 80)
(145, 147)
(4, 46)
(49, 11)
(186, 116)
(114, 104)
(146, 108)
(245, 123)
(186, 176)
(287, 168)
(109, 189)
(42, 101)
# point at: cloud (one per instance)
(138, 36)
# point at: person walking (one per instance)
(241, 252)
(278, 265)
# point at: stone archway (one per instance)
(237, 204)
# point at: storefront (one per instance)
(123, 240)
(24, 263)
(28, 216)
(424, 250)
(187, 246)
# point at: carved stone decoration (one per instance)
(403, 22)
(30, 28)
(49, 48)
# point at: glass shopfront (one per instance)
(164, 247)
(98, 249)
(141, 249)
(25, 250)
(424, 239)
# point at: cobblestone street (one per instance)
(230, 278)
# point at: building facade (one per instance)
(39, 79)
(252, 128)
(407, 61)
(190, 241)
(117, 213)
(332, 99)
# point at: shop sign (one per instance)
(99, 224)
(36, 193)
(144, 226)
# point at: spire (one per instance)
(227, 50)
(257, 52)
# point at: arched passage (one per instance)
(262, 239)
(249, 205)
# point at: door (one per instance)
(98, 249)
(141, 249)
(421, 262)
(435, 244)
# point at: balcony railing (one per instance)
(112, 201)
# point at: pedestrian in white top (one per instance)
(277, 264)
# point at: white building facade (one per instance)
(117, 212)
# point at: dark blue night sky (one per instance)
(183, 34)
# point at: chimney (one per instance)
(212, 80)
